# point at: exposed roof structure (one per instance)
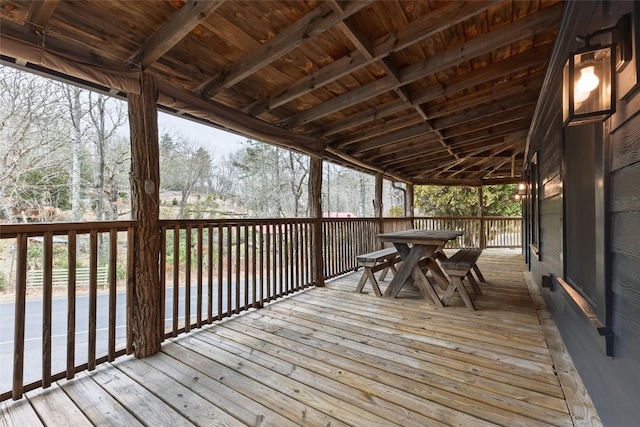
(422, 91)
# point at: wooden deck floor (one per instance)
(331, 357)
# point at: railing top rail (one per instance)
(57, 228)
(170, 223)
(38, 228)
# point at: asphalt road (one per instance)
(33, 330)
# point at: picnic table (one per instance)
(414, 246)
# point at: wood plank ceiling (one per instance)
(422, 91)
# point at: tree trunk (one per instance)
(145, 178)
(100, 151)
(76, 115)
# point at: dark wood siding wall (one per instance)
(613, 382)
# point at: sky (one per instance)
(221, 143)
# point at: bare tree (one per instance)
(106, 116)
(32, 134)
(183, 166)
(76, 113)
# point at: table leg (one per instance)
(438, 274)
(425, 287)
(410, 259)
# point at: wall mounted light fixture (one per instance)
(589, 75)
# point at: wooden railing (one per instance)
(209, 270)
(213, 269)
(70, 316)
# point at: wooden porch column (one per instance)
(315, 212)
(145, 180)
(409, 199)
(483, 242)
(377, 202)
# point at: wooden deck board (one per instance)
(330, 356)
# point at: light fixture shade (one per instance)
(588, 86)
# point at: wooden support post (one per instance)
(483, 242)
(409, 199)
(377, 202)
(145, 179)
(315, 212)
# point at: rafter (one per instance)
(385, 127)
(491, 72)
(181, 23)
(493, 94)
(431, 161)
(418, 30)
(317, 21)
(40, 12)
(468, 162)
(391, 138)
(511, 121)
(364, 46)
(517, 103)
(480, 45)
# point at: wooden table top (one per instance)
(420, 237)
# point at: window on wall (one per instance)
(534, 205)
(586, 222)
(580, 217)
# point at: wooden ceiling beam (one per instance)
(391, 138)
(501, 69)
(469, 162)
(405, 149)
(418, 30)
(492, 169)
(448, 182)
(320, 19)
(483, 44)
(364, 46)
(494, 71)
(181, 23)
(490, 121)
(490, 95)
(40, 12)
(414, 149)
(511, 121)
(482, 113)
(385, 127)
(493, 131)
(363, 117)
(424, 161)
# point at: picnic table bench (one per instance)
(459, 266)
(383, 259)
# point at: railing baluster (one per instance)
(246, 266)
(254, 262)
(187, 279)
(200, 272)
(220, 266)
(210, 274)
(93, 298)
(130, 282)
(286, 243)
(163, 280)
(20, 308)
(71, 304)
(229, 253)
(47, 293)
(113, 258)
(237, 275)
(176, 279)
